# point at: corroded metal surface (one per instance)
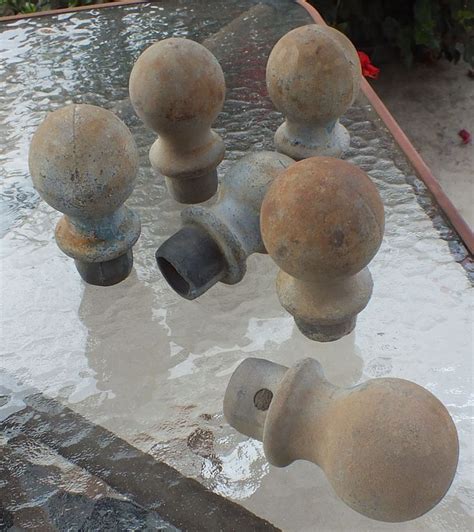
(177, 88)
(83, 162)
(152, 367)
(388, 446)
(313, 77)
(216, 241)
(322, 223)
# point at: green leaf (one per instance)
(29, 7)
(465, 17)
(424, 25)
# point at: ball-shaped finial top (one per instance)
(322, 217)
(391, 450)
(313, 74)
(177, 85)
(83, 161)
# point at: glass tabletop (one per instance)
(152, 368)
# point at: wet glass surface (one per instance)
(151, 367)
(47, 492)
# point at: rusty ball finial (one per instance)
(313, 77)
(177, 88)
(322, 222)
(83, 162)
(388, 447)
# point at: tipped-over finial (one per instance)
(214, 242)
(388, 447)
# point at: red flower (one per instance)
(465, 136)
(368, 69)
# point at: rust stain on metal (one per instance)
(322, 222)
(177, 88)
(313, 77)
(78, 242)
(84, 161)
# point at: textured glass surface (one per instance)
(42, 488)
(151, 367)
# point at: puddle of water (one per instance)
(153, 368)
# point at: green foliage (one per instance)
(417, 28)
(13, 7)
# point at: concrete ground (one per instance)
(432, 103)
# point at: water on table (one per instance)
(151, 367)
